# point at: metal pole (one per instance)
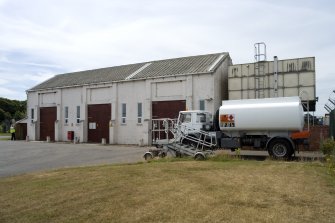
(308, 115)
(275, 73)
(307, 102)
(313, 118)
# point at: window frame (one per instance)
(202, 105)
(66, 114)
(201, 118)
(32, 115)
(78, 114)
(139, 113)
(123, 113)
(185, 117)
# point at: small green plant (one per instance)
(331, 164)
(328, 148)
(238, 152)
(221, 158)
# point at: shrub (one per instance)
(328, 148)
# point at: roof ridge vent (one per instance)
(211, 67)
(138, 71)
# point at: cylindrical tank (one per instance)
(275, 114)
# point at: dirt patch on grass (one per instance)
(188, 191)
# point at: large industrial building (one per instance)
(277, 78)
(118, 103)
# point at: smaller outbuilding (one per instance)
(21, 129)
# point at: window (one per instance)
(139, 113)
(185, 117)
(78, 114)
(209, 118)
(66, 114)
(123, 113)
(201, 118)
(32, 115)
(202, 105)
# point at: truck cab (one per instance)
(195, 120)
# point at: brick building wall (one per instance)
(318, 133)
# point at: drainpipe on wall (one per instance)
(275, 78)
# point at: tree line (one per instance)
(10, 112)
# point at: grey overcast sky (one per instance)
(42, 38)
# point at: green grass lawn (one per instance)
(181, 191)
(5, 134)
(8, 135)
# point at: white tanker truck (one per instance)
(273, 124)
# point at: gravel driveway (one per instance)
(18, 157)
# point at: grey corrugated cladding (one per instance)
(109, 74)
(161, 68)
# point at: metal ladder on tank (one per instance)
(260, 60)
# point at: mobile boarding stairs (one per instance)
(178, 140)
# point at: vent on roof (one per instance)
(138, 71)
(211, 67)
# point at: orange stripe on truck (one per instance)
(300, 135)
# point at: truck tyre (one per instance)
(148, 156)
(199, 156)
(280, 148)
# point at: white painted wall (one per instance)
(203, 89)
(131, 132)
(32, 126)
(71, 98)
(220, 80)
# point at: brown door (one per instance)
(48, 116)
(98, 122)
(21, 131)
(166, 109)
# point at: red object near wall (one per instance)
(70, 135)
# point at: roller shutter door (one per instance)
(166, 109)
(98, 122)
(48, 116)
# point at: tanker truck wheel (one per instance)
(280, 148)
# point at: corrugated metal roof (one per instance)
(102, 75)
(160, 68)
(178, 66)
